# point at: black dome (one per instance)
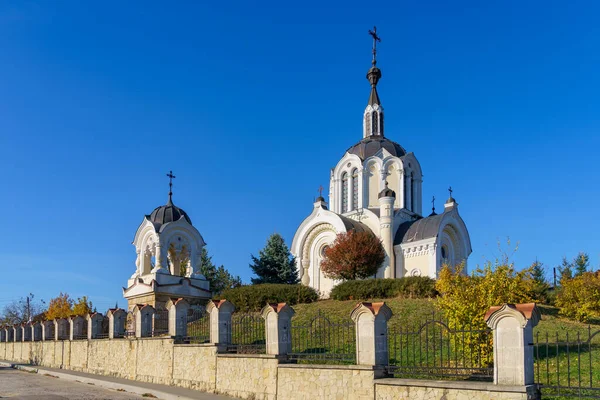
(167, 213)
(371, 145)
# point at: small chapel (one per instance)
(377, 187)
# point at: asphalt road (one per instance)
(16, 384)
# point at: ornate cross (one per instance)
(450, 190)
(171, 177)
(376, 39)
(433, 204)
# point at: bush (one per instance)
(579, 297)
(255, 297)
(414, 287)
(465, 299)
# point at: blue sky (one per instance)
(251, 104)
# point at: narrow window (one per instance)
(344, 192)
(355, 189)
(375, 121)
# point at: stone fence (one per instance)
(265, 376)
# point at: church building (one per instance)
(377, 187)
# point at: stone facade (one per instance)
(247, 376)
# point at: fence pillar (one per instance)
(61, 329)
(36, 331)
(26, 332)
(117, 318)
(220, 321)
(47, 330)
(178, 311)
(278, 324)
(370, 320)
(513, 342)
(76, 323)
(94, 325)
(144, 314)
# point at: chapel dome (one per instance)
(370, 145)
(167, 213)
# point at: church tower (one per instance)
(377, 187)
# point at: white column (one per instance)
(278, 325)
(386, 222)
(513, 342)
(220, 321)
(117, 318)
(370, 321)
(178, 311)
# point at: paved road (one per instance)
(16, 384)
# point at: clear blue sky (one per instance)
(251, 104)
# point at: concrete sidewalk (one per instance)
(109, 382)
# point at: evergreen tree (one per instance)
(219, 278)
(565, 271)
(275, 264)
(540, 284)
(581, 263)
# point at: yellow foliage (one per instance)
(83, 306)
(465, 299)
(579, 297)
(60, 307)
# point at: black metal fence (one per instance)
(160, 323)
(320, 340)
(198, 326)
(435, 350)
(80, 329)
(247, 334)
(567, 365)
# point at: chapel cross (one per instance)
(376, 39)
(433, 204)
(171, 177)
(320, 190)
(450, 190)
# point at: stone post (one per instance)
(220, 321)
(117, 319)
(76, 325)
(278, 324)
(178, 311)
(26, 331)
(513, 342)
(370, 320)
(17, 333)
(94, 325)
(36, 331)
(144, 314)
(47, 330)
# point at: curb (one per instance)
(99, 382)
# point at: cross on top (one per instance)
(433, 204)
(171, 177)
(320, 190)
(376, 39)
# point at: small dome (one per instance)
(387, 192)
(167, 213)
(369, 146)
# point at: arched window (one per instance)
(344, 192)
(354, 189)
(375, 121)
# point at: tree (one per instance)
(219, 278)
(23, 310)
(577, 267)
(60, 307)
(82, 306)
(540, 284)
(578, 297)
(353, 255)
(275, 264)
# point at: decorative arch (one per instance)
(372, 179)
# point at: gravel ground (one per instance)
(30, 386)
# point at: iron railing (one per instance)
(319, 340)
(247, 334)
(160, 323)
(435, 350)
(198, 326)
(82, 328)
(568, 365)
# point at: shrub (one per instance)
(465, 299)
(414, 287)
(579, 297)
(353, 255)
(255, 297)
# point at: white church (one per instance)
(377, 187)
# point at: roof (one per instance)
(351, 224)
(424, 228)
(167, 213)
(369, 146)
